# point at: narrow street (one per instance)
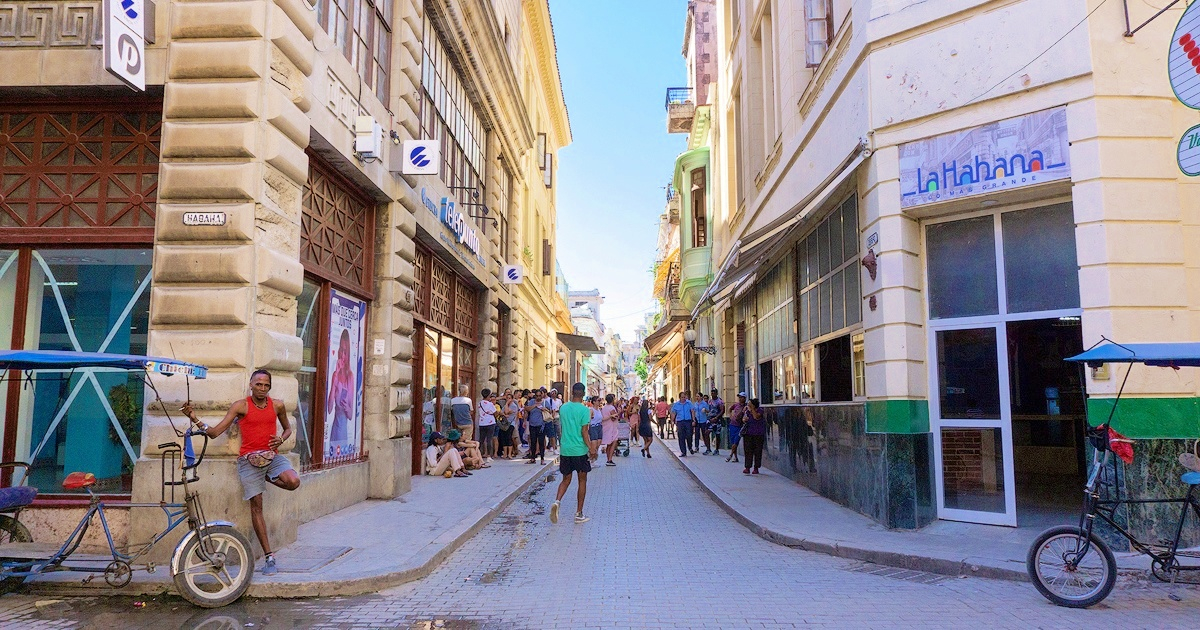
(656, 554)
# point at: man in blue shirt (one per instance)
(700, 426)
(682, 413)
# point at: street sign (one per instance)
(512, 274)
(1183, 58)
(1188, 154)
(204, 218)
(420, 157)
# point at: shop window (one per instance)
(826, 268)
(791, 388)
(808, 374)
(449, 115)
(337, 232)
(837, 371)
(1041, 272)
(776, 327)
(962, 268)
(507, 209)
(362, 29)
(859, 351)
(82, 300)
(766, 380)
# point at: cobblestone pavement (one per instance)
(656, 554)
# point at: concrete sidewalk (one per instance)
(366, 547)
(786, 512)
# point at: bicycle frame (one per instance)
(1105, 509)
(189, 511)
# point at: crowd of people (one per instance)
(526, 424)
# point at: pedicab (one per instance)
(1071, 565)
(212, 564)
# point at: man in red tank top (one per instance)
(257, 462)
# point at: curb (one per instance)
(849, 551)
(426, 561)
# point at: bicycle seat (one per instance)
(77, 480)
(1190, 478)
(16, 497)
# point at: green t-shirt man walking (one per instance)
(574, 454)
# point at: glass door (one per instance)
(972, 425)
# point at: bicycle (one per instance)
(212, 565)
(1069, 564)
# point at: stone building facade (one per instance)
(911, 231)
(227, 216)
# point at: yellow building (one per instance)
(912, 231)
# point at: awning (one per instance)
(579, 343)
(762, 245)
(1155, 354)
(58, 360)
(656, 339)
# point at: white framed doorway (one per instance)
(985, 273)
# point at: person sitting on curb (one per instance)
(441, 459)
(469, 449)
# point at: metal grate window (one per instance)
(73, 169)
(336, 228)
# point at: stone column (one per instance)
(234, 133)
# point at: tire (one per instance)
(199, 583)
(1086, 583)
(12, 531)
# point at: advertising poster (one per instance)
(344, 400)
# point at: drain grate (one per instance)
(908, 575)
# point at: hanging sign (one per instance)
(125, 41)
(1183, 58)
(512, 274)
(1188, 155)
(420, 157)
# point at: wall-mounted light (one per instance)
(562, 356)
(689, 337)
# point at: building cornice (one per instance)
(537, 16)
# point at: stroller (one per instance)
(623, 435)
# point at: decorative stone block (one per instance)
(195, 20)
(201, 306)
(212, 181)
(212, 100)
(203, 264)
(218, 60)
(208, 139)
(276, 351)
(215, 349)
(282, 272)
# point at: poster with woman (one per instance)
(343, 402)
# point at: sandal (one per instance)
(461, 474)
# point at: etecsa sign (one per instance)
(420, 157)
(125, 41)
(512, 274)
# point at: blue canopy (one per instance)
(60, 360)
(1155, 354)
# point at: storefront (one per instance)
(337, 249)
(1006, 412)
(77, 214)
(445, 341)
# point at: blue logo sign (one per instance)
(128, 6)
(456, 221)
(417, 157)
(512, 274)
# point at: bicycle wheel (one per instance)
(1065, 578)
(12, 531)
(224, 579)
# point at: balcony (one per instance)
(681, 107)
(696, 276)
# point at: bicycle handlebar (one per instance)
(183, 447)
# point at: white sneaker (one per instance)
(580, 519)
(488, 460)
(554, 512)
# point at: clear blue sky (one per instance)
(616, 58)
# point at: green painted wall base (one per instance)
(1146, 418)
(897, 416)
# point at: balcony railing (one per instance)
(681, 106)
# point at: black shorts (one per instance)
(568, 464)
